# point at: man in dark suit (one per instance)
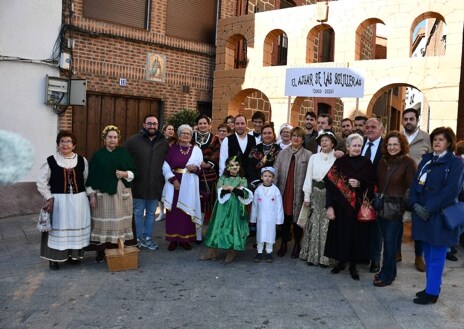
(372, 150)
(325, 122)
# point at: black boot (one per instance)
(339, 267)
(353, 272)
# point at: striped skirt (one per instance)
(112, 219)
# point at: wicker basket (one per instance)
(123, 258)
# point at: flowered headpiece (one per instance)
(109, 128)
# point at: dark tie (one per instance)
(368, 150)
(434, 158)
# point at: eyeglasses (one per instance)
(151, 123)
(185, 133)
(66, 142)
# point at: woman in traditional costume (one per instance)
(210, 148)
(181, 193)
(111, 171)
(262, 155)
(316, 224)
(228, 228)
(346, 182)
(290, 166)
(61, 181)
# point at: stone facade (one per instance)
(437, 77)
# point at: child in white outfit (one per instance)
(267, 211)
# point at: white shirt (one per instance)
(374, 147)
(412, 136)
(224, 151)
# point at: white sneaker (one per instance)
(160, 218)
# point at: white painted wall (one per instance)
(28, 29)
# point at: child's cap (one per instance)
(270, 169)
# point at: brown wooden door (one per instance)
(125, 112)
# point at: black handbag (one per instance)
(378, 199)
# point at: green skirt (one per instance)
(228, 227)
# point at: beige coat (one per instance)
(281, 165)
(419, 146)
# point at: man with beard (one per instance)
(148, 149)
(419, 144)
(347, 127)
(325, 122)
(310, 127)
(360, 125)
(239, 143)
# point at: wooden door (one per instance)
(125, 112)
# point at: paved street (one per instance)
(174, 290)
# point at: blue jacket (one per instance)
(444, 182)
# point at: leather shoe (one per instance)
(453, 250)
(296, 251)
(425, 299)
(54, 266)
(419, 262)
(421, 293)
(283, 249)
(186, 245)
(381, 283)
(450, 256)
(354, 274)
(338, 268)
(172, 245)
(375, 267)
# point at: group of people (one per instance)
(306, 185)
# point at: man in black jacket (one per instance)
(148, 149)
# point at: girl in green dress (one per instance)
(228, 227)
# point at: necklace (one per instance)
(202, 138)
(184, 152)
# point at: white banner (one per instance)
(324, 82)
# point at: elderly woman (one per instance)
(315, 227)
(205, 140)
(110, 173)
(436, 185)
(181, 193)
(262, 155)
(285, 138)
(290, 166)
(394, 175)
(61, 182)
(349, 178)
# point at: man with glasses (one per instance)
(419, 144)
(148, 149)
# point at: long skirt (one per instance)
(315, 231)
(112, 219)
(71, 228)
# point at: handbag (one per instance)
(378, 200)
(366, 212)
(454, 215)
(44, 223)
(392, 208)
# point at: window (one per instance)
(192, 20)
(129, 12)
(282, 49)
